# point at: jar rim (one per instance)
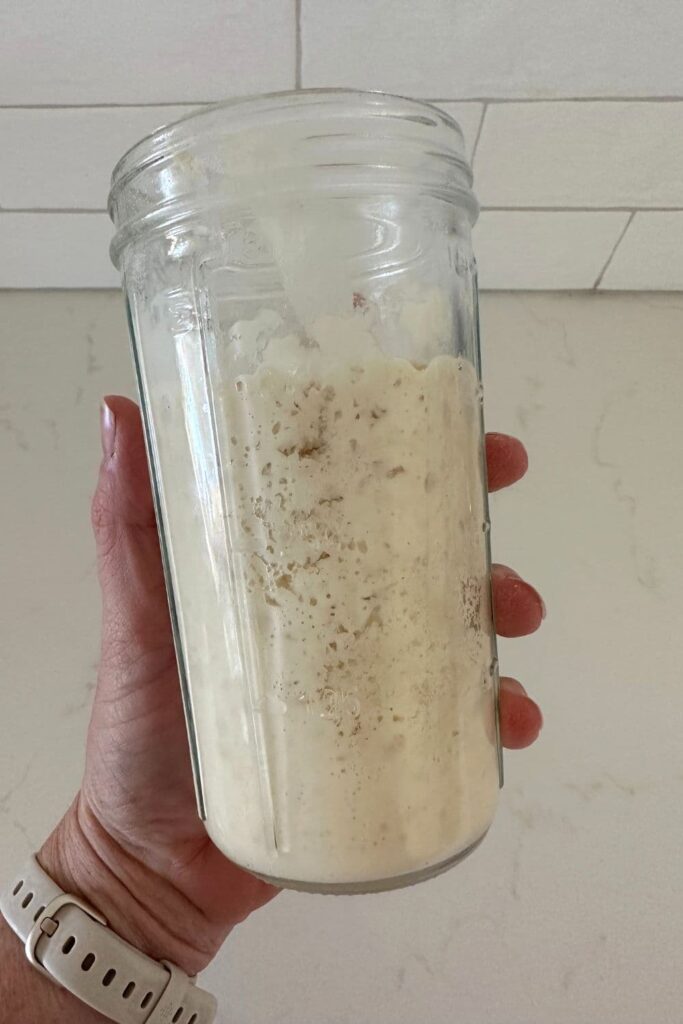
(163, 137)
(439, 134)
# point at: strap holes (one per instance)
(109, 977)
(147, 999)
(88, 961)
(17, 888)
(69, 945)
(128, 990)
(177, 1015)
(38, 913)
(192, 1019)
(26, 900)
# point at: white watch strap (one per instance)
(70, 942)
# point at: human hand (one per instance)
(518, 608)
(132, 843)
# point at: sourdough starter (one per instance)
(338, 642)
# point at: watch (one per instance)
(69, 941)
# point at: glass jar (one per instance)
(302, 303)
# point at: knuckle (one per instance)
(103, 519)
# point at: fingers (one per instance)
(136, 630)
(520, 717)
(506, 460)
(123, 495)
(518, 608)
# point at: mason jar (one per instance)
(302, 302)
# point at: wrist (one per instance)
(140, 906)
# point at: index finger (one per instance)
(506, 460)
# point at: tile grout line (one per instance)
(510, 290)
(448, 99)
(64, 210)
(553, 99)
(479, 131)
(582, 209)
(59, 210)
(105, 106)
(298, 71)
(622, 235)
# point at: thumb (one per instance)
(136, 633)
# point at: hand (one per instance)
(132, 842)
(518, 608)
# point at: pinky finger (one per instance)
(520, 717)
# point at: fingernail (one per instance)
(536, 594)
(505, 571)
(510, 685)
(538, 598)
(107, 429)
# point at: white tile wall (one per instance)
(488, 49)
(158, 51)
(651, 254)
(581, 155)
(528, 249)
(56, 250)
(57, 159)
(54, 159)
(525, 249)
(468, 116)
(80, 83)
